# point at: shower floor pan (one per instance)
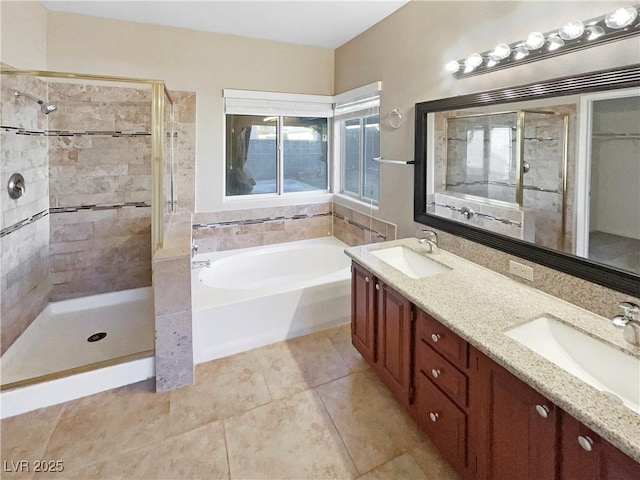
(57, 344)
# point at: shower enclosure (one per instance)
(86, 188)
(504, 170)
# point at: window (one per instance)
(276, 152)
(357, 132)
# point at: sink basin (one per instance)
(411, 263)
(592, 361)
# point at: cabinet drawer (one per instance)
(441, 339)
(442, 373)
(443, 422)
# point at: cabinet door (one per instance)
(586, 456)
(394, 342)
(363, 331)
(517, 427)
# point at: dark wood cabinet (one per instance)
(586, 456)
(363, 325)
(393, 364)
(381, 330)
(515, 428)
(486, 422)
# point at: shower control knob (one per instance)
(16, 187)
(435, 337)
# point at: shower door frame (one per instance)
(158, 93)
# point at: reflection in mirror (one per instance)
(512, 170)
(610, 233)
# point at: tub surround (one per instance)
(479, 305)
(172, 301)
(227, 230)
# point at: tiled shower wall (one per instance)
(218, 231)
(107, 165)
(25, 222)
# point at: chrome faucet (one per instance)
(429, 237)
(629, 321)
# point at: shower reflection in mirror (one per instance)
(562, 173)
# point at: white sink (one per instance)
(592, 361)
(409, 262)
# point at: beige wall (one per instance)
(194, 61)
(408, 50)
(23, 34)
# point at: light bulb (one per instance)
(452, 66)
(571, 31)
(501, 52)
(554, 43)
(474, 60)
(534, 41)
(621, 18)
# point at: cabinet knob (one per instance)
(542, 410)
(435, 337)
(434, 416)
(585, 442)
(435, 372)
(367, 279)
(377, 286)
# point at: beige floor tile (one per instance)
(431, 462)
(291, 438)
(25, 437)
(403, 467)
(223, 388)
(293, 366)
(373, 426)
(341, 339)
(198, 454)
(109, 423)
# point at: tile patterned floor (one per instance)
(308, 408)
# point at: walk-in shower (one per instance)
(76, 245)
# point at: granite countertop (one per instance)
(479, 305)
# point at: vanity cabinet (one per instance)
(381, 330)
(586, 456)
(516, 428)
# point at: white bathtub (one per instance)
(252, 297)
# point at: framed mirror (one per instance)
(548, 171)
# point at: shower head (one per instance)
(45, 108)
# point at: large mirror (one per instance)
(547, 171)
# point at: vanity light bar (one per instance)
(616, 25)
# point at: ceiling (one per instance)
(320, 23)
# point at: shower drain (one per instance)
(96, 337)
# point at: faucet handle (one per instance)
(631, 310)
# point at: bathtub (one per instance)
(252, 297)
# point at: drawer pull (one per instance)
(585, 442)
(377, 286)
(542, 410)
(367, 279)
(436, 373)
(434, 416)
(435, 337)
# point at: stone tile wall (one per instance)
(356, 228)
(24, 261)
(172, 297)
(228, 230)
(107, 162)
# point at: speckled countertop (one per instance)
(479, 305)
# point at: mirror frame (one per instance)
(614, 79)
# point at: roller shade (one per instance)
(247, 102)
